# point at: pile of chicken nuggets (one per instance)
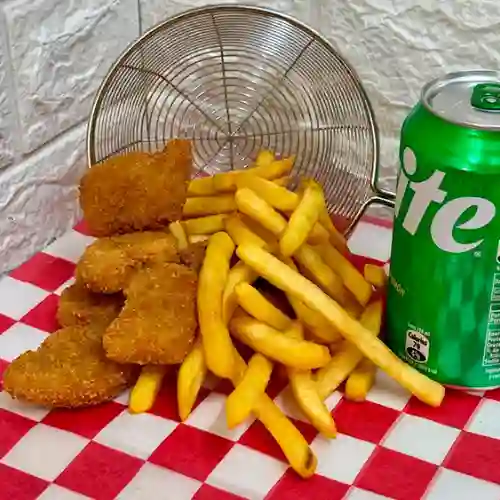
(134, 297)
(240, 259)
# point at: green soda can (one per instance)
(443, 303)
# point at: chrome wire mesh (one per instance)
(236, 80)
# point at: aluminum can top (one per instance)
(467, 98)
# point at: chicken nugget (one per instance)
(108, 264)
(158, 322)
(137, 190)
(79, 306)
(68, 370)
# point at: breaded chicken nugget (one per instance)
(158, 323)
(108, 264)
(137, 190)
(68, 370)
(79, 306)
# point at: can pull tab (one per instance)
(486, 97)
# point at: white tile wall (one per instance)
(54, 53)
(7, 124)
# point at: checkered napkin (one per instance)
(391, 446)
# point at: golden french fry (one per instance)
(209, 205)
(264, 158)
(217, 345)
(251, 204)
(201, 186)
(318, 326)
(205, 186)
(288, 280)
(277, 345)
(240, 233)
(348, 355)
(278, 197)
(306, 394)
(352, 278)
(375, 275)
(227, 182)
(318, 234)
(198, 238)
(191, 375)
(239, 273)
(256, 305)
(255, 207)
(315, 268)
(294, 446)
(285, 201)
(360, 381)
(307, 397)
(145, 390)
(302, 220)
(177, 231)
(336, 237)
(259, 230)
(246, 394)
(204, 225)
(282, 181)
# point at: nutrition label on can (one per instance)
(492, 342)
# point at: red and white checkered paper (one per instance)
(391, 446)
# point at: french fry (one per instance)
(251, 204)
(347, 357)
(302, 220)
(227, 182)
(277, 345)
(259, 230)
(204, 225)
(217, 345)
(201, 186)
(177, 231)
(294, 446)
(352, 278)
(278, 197)
(191, 375)
(256, 305)
(360, 380)
(308, 399)
(255, 207)
(264, 158)
(318, 326)
(305, 390)
(208, 205)
(205, 186)
(375, 275)
(240, 233)
(282, 181)
(322, 275)
(239, 273)
(145, 390)
(336, 237)
(198, 238)
(285, 278)
(244, 398)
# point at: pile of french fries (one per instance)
(288, 239)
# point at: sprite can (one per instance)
(443, 304)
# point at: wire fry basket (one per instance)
(236, 80)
